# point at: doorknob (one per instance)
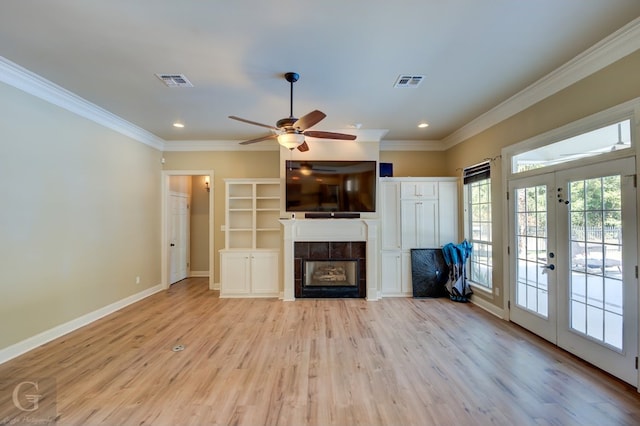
(551, 267)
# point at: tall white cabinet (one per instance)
(249, 263)
(415, 213)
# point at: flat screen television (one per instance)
(331, 186)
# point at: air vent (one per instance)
(409, 80)
(174, 80)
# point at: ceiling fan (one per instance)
(290, 131)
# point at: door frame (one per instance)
(164, 222)
(629, 109)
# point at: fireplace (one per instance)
(330, 239)
(330, 269)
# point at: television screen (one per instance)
(331, 186)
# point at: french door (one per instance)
(573, 255)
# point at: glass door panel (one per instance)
(532, 256)
(531, 249)
(595, 213)
(597, 307)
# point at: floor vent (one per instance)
(409, 80)
(174, 80)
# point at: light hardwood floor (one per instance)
(318, 362)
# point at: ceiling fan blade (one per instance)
(330, 135)
(244, 120)
(260, 139)
(309, 120)
(303, 147)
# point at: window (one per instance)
(477, 194)
(609, 138)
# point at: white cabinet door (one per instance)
(390, 214)
(391, 273)
(419, 189)
(264, 273)
(448, 213)
(419, 224)
(235, 273)
(407, 285)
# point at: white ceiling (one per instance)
(475, 54)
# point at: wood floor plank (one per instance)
(315, 362)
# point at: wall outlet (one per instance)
(137, 280)
(496, 291)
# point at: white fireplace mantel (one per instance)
(330, 230)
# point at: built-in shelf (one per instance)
(250, 260)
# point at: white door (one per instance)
(599, 318)
(235, 273)
(447, 219)
(533, 255)
(419, 224)
(390, 214)
(178, 237)
(264, 273)
(573, 251)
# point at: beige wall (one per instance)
(79, 218)
(199, 251)
(609, 87)
(225, 164)
(417, 163)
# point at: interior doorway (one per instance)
(170, 261)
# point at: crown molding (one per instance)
(609, 50)
(411, 145)
(218, 145)
(363, 136)
(29, 82)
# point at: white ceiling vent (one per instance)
(406, 80)
(175, 80)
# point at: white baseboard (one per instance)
(216, 286)
(489, 307)
(40, 339)
(198, 274)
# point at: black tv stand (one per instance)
(332, 215)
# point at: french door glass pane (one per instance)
(596, 287)
(531, 249)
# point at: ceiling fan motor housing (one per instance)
(286, 123)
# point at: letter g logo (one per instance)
(32, 398)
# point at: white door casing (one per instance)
(563, 251)
(164, 223)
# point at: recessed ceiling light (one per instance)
(178, 125)
(423, 125)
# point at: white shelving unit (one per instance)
(249, 261)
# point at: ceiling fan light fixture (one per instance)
(291, 140)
